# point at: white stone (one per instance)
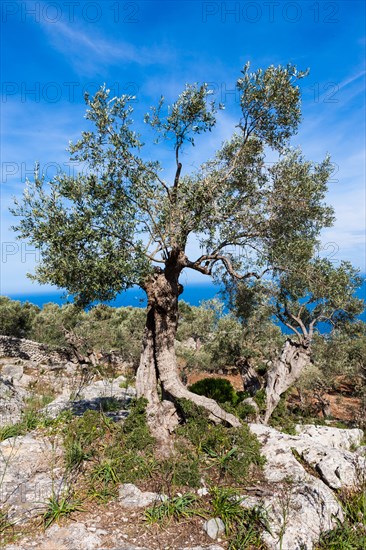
(325, 450)
(13, 371)
(11, 401)
(90, 397)
(214, 527)
(331, 437)
(130, 496)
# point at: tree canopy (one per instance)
(105, 229)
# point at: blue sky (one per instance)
(53, 51)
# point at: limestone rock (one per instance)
(12, 371)
(324, 449)
(214, 527)
(72, 537)
(300, 505)
(336, 467)
(331, 437)
(131, 496)
(11, 402)
(29, 474)
(94, 396)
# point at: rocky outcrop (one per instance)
(301, 472)
(11, 401)
(29, 475)
(302, 475)
(100, 395)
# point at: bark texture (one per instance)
(284, 373)
(251, 381)
(158, 365)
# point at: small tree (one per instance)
(318, 297)
(261, 337)
(122, 223)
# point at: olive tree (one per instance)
(320, 297)
(123, 222)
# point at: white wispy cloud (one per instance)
(352, 79)
(88, 52)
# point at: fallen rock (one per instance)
(130, 496)
(12, 371)
(214, 527)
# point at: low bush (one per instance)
(179, 507)
(105, 453)
(219, 389)
(16, 318)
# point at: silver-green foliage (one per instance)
(104, 229)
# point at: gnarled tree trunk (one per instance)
(251, 380)
(284, 372)
(158, 365)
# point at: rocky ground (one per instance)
(302, 475)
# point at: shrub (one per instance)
(200, 360)
(16, 318)
(246, 412)
(219, 389)
(183, 468)
(59, 506)
(179, 507)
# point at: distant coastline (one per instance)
(194, 294)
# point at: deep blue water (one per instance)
(193, 293)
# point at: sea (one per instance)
(194, 294)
